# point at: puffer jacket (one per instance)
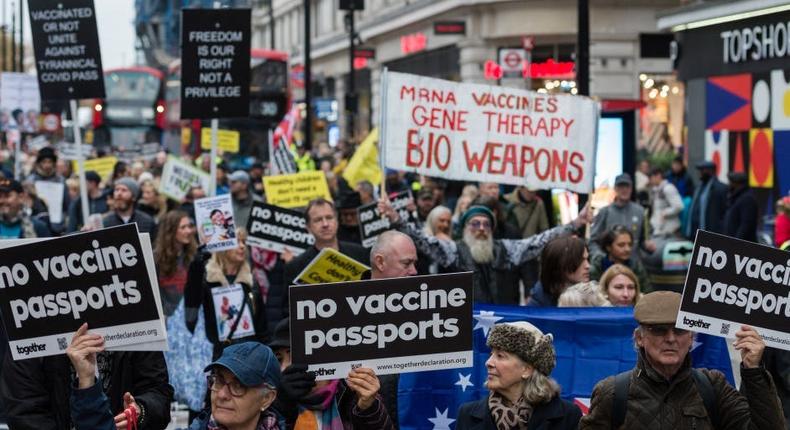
(657, 404)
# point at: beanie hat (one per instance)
(477, 210)
(46, 153)
(527, 342)
(131, 184)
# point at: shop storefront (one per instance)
(737, 89)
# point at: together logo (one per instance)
(695, 323)
(33, 347)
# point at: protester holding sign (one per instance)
(323, 225)
(523, 395)
(230, 297)
(97, 202)
(495, 263)
(44, 171)
(663, 384)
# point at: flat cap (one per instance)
(658, 307)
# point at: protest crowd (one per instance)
(501, 234)
(459, 261)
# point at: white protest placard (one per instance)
(485, 133)
(178, 176)
(49, 287)
(229, 308)
(216, 228)
(52, 194)
(69, 151)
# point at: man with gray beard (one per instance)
(495, 263)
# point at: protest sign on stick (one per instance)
(178, 176)
(390, 325)
(277, 229)
(52, 194)
(331, 266)
(372, 224)
(485, 133)
(48, 288)
(296, 190)
(732, 282)
(215, 223)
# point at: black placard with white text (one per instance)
(390, 325)
(66, 44)
(49, 288)
(215, 63)
(276, 229)
(731, 282)
(372, 224)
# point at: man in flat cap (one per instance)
(709, 202)
(663, 391)
(623, 211)
(741, 218)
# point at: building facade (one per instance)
(402, 36)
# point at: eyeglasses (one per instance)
(663, 330)
(477, 224)
(216, 382)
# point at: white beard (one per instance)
(482, 250)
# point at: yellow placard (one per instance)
(186, 136)
(103, 166)
(296, 190)
(331, 266)
(227, 140)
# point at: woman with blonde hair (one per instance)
(583, 295)
(151, 202)
(620, 286)
(522, 394)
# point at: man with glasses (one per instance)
(663, 391)
(243, 383)
(495, 262)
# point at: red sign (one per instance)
(550, 69)
(449, 27)
(364, 53)
(412, 43)
(297, 76)
(360, 63)
(492, 70)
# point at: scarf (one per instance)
(507, 416)
(266, 421)
(321, 400)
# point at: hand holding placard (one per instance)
(82, 354)
(751, 346)
(365, 383)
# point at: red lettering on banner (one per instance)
(427, 95)
(498, 158)
(439, 150)
(576, 162)
(552, 105)
(439, 118)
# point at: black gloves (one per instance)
(296, 383)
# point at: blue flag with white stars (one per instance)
(591, 344)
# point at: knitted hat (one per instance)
(131, 184)
(477, 210)
(527, 342)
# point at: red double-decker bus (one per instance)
(133, 111)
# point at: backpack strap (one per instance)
(621, 383)
(705, 390)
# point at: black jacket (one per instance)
(557, 414)
(741, 217)
(714, 213)
(145, 224)
(36, 391)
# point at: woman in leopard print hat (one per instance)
(522, 394)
